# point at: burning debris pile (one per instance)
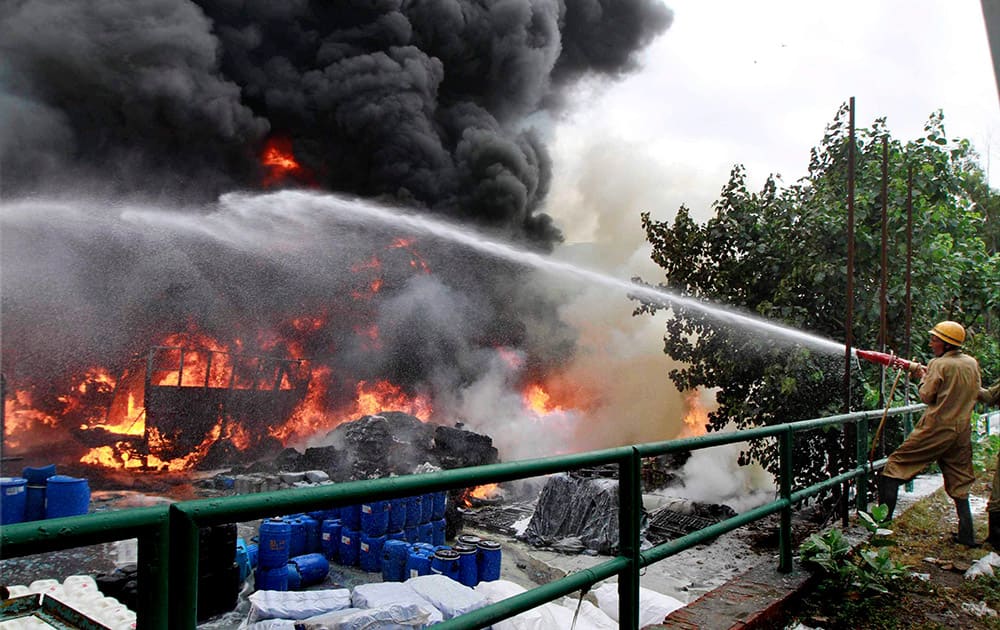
(121, 233)
(390, 443)
(576, 512)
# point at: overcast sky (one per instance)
(756, 83)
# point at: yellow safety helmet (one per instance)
(949, 332)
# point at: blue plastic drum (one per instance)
(13, 499)
(488, 561)
(350, 516)
(468, 539)
(394, 554)
(425, 533)
(38, 474)
(350, 546)
(440, 505)
(66, 496)
(417, 563)
(414, 511)
(397, 514)
(445, 562)
(34, 509)
(375, 518)
(468, 571)
(311, 567)
(370, 553)
(400, 535)
(273, 579)
(297, 544)
(294, 579)
(312, 527)
(412, 534)
(242, 559)
(275, 538)
(427, 507)
(329, 538)
(437, 532)
(253, 551)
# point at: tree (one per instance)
(781, 253)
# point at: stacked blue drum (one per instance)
(468, 571)
(40, 493)
(34, 509)
(330, 538)
(13, 497)
(307, 569)
(488, 560)
(66, 496)
(274, 542)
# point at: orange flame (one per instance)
(280, 161)
(384, 396)
(539, 400)
(696, 419)
(483, 493)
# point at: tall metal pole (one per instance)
(908, 421)
(850, 434)
(883, 319)
(909, 266)
(849, 315)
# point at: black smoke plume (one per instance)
(421, 101)
(169, 103)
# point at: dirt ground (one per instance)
(939, 597)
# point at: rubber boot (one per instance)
(965, 530)
(993, 538)
(888, 491)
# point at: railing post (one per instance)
(785, 531)
(907, 430)
(629, 513)
(154, 575)
(184, 543)
(861, 451)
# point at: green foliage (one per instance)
(871, 570)
(984, 452)
(780, 253)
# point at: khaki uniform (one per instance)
(991, 396)
(944, 433)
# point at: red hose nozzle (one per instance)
(886, 359)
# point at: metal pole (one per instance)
(630, 496)
(183, 569)
(785, 530)
(154, 579)
(908, 422)
(883, 319)
(849, 314)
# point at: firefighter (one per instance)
(949, 386)
(991, 396)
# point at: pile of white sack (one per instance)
(428, 599)
(80, 593)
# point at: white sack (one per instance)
(409, 616)
(653, 606)
(450, 597)
(297, 604)
(384, 594)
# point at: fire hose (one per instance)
(892, 361)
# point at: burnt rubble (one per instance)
(578, 513)
(390, 443)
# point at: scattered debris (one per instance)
(983, 566)
(979, 609)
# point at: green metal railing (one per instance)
(169, 535)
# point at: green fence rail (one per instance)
(168, 535)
